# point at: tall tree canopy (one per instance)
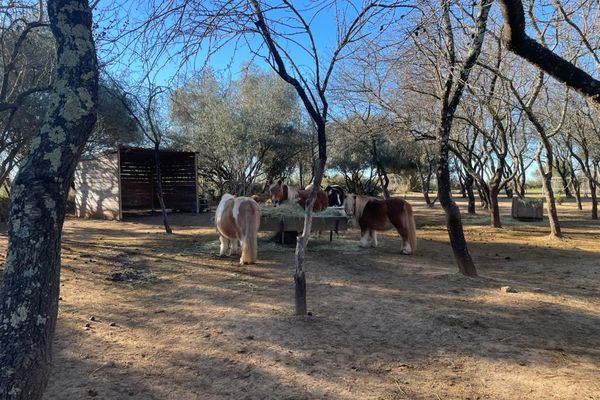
(244, 130)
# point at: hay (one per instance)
(294, 210)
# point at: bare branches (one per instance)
(517, 41)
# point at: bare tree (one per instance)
(582, 134)
(26, 73)
(453, 88)
(313, 93)
(495, 123)
(29, 297)
(144, 108)
(517, 40)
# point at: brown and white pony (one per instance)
(373, 214)
(238, 219)
(280, 193)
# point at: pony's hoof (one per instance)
(406, 253)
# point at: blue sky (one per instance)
(232, 56)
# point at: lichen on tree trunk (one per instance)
(29, 296)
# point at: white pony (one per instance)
(237, 220)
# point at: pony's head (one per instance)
(276, 192)
(335, 195)
(349, 204)
(354, 205)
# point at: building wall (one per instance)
(97, 188)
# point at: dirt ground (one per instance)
(144, 315)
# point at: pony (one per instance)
(335, 195)
(321, 201)
(373, 214)
(237, 220)
(280, 193)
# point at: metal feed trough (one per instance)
(287, 227)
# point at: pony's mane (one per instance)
(292, 192)
(360, 201)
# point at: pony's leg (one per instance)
(365, 240)
(245, 256)
(235, 247)
(224, 245)
(406, 249)
(373, 234)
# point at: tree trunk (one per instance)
(520, 185)
(384, 181)
(470, 195)
(576, 187)
(381, 173)
(577, 190)
(161, 199)
(484, 197)
(29, 298)
(550, 201)
(453, 219)
(592, 186)
(495, 208)
(425, 185)
(299, 275)
(451, 96)
(563, 173)
(463, 185)
(427, 199)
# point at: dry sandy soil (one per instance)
(144, 315)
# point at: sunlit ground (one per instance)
(168, 319)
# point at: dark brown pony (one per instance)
(280, 193)
(373, 214)
(321, 202)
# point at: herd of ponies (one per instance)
(237, 219)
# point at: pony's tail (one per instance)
(408, 220)
(250, 238)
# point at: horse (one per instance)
(280, 193)
(321, 201)
(373, 214)
(335, 195)
(238, 219)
